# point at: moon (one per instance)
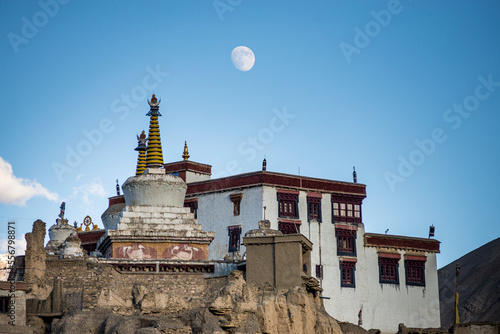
(242, 58)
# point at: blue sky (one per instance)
(406, 91)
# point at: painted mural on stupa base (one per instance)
(151, 251)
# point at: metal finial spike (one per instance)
(117, 188)
(185, 155)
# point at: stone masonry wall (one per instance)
(89, 285)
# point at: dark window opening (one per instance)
(346, 241)
(4, 304)
(314, 208)
(319, 271)
(388, 270)
(347, 269)
(236, 199)
(415, 272)
(193, 205)
(234, 233)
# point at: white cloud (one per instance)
(19, 244)
(87, 192)
(17, 191)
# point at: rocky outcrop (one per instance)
(264, 310)
(239, 308)
(35, 265)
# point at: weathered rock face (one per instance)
(240, 308)
(255, 310)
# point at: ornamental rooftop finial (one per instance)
(141, 147)
(185, 155)
(154, 155)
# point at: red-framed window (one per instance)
(289, 227)
(234, 233)
(346, 241)
(193, 205)
(388, 269)
(288, 204)
(236, 199)
(314, 207)
(415, 272)
(347, 270)
(346, 209)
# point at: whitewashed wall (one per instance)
(192, 176)
(215, 214)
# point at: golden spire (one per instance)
(154, 155)
(185, 156)
(141, 160)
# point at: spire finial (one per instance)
(154, 155)
(264, 164)
(117, 188)
(185, 155)
(141, 160)
(354, 175)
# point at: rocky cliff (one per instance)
(478, 286)
(239, 308)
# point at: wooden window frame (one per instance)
(388, 270)
(288, 205)
(346, 241)
(346, 209)
(314, 208)
(415, 272)
(347, 274)
(234, 233)
(236, 199)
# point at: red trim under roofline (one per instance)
(116, 200)
(346, 227)
(421, 244)
(283, 191)
(279, 180)
(188, 166)
(390, 255)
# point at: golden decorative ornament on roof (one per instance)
(185, 155)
